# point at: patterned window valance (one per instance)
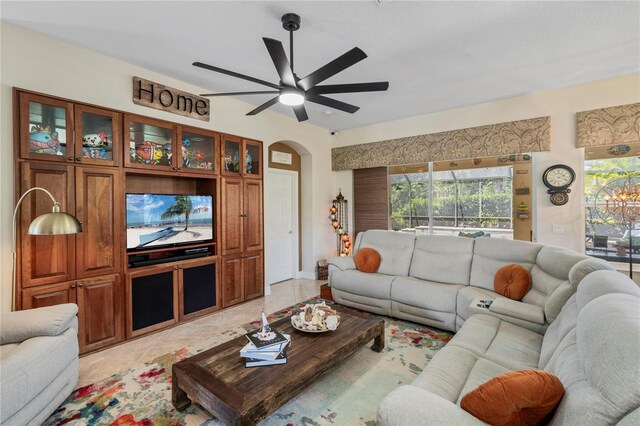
(493, 140)
(619, 125)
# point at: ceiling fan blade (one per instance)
(379, 86)
(301, 113)
(264, 106)
(279, 58)
(235, 74)
(261, 92)
(331, 103)
(339, 64)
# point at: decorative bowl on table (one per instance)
(315, 318)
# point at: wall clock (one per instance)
(558, 178)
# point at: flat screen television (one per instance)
(158, 220)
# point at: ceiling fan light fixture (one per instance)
(292, 97)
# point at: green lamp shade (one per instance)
(54, 223)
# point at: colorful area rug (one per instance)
(349, 395)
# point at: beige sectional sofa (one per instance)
(436, 280)
(593, 347)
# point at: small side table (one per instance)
(325, 292)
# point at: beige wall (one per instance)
(37, 62)
(560, 104)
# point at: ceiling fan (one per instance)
(294, 91)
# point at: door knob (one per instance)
(290, 231)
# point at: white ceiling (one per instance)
(435, 55)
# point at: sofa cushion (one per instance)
(466, 295)
(501, 342)
(425, 294)
(395, 248)
(367, 260)
(551, 271)
(442, 258)
(516, 397)
(447, 372)
(512, 281)
(362, 283)
(410, 405)
(491, 254)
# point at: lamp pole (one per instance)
(630, 249)
(54, 223)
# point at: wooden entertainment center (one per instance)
(89, 158)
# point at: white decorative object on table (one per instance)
(315, 318)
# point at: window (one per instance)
(473, 201)
(609, 232)
(473, 197)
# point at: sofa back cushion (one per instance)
(395, 248)
(442, 258)
(550, 270)
(593, 349)
(491, 254)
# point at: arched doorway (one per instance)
(286, 241)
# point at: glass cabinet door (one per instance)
(150, 143)
(232, 155)
(97, 136)
(46, 127)
(198, 150)
(253, 158)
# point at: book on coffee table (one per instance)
(254, 362)
(268, 353)
(261, 339)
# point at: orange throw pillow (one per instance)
(367, 260)
(526, 397)
(512, 281)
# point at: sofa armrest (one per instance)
(411, 405)
(16, 327)
(343, 262)
(519, 310)
(584, 268)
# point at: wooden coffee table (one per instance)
(218, 380)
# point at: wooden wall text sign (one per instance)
(165, 98)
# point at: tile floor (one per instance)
(103, 364)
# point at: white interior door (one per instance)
(281, 225)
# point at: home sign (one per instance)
(165, 98)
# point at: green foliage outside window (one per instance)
(483, 202)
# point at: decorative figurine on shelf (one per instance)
(43, 141)
(232, 162)
(95, 145)
(152, 153)
(248, 161)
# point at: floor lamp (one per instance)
(54, 223)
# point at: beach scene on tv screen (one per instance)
(157, 220)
